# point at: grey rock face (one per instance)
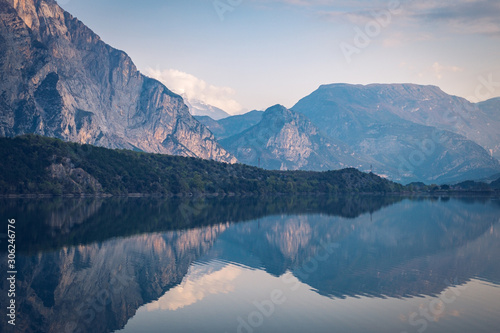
(287, 140)
(77, 178)
(392, 124)
(60, 80)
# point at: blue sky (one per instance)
(250, 54)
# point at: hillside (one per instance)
(39, 165)
(286, 140)
(407, 128)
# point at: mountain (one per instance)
(287, 140)
(232, 125)
(60, 79)
(200, 108)
(387, 123)
(424, 105)
(491, 108)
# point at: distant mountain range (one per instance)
(200, 108)
(60, 80)
(287, 140)
(232, 125)
(405, 132)
(416, 132)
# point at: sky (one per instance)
(241, 55)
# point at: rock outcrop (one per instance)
(60, 79)
(287, 140)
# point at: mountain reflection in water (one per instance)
(354, 263)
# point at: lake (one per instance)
(273, 264)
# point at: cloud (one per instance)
(460, 16)
(194, 88)
(455, 16)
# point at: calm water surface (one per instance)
(302, 264)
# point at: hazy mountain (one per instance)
(200, 108)
(287, 140)
(424, 105)
(377, 120)
(491, 108)
(232, 125)
(430, 106)
(212, 124)
(59, 79)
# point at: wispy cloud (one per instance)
(454, 16)
(196, 88)
(460, 16)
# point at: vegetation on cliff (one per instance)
(33, 164)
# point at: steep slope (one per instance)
(232, 125)
(287, 140)
(212, 124)
(59, 79)
(424, 105)
(372, 120)
(491, 108)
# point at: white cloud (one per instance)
(195, 88)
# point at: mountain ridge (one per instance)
(287, 140)
(371, 120)
(62, 80)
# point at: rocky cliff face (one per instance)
(287, 140)
(60, 80)
(414, 132)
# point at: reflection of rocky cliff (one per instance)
(98, 287)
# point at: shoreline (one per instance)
(250, 194)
